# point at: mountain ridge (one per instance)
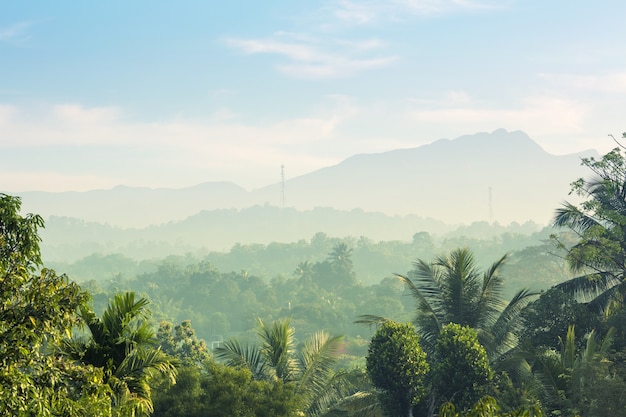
(503, 176)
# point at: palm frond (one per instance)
(612, 296)
(507, 325)
(428, 301)
(490, 304)
(277, 346)
(590, 286)
(359, 404)
(237, 354)
(571, 216)
(316, 359)
(371, 319)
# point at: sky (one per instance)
(174, 94)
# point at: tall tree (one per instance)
(461, 373)
(452, 289)
(124, 345)
(309, 368)
(397, 366)
(37, 308)
(600, 223)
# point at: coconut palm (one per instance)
(600, 223)
(452, 289)
(309, 368)
(341, 256)
(124, 345)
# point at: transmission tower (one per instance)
(490, 206)
(282, 183)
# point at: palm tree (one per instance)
(123, 344)
(309, 368)
(452, 289)
(565, 375)
(304, 272)
(341, 256)
(600, 223)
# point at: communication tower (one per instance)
(490, 206)
(282, 184)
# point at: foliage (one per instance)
(212, 389)
(580, 380)
(488, 407)
(453, 289)
(461, 373)
(547, 319)
(397, 366)
(310, 368)
(181, 342)
(600, 223)
(36, 310)
(123, 344)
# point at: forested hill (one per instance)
(449, 180)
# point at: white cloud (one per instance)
(76, 114)
(543, 114)
(358, 13)
(611, 83)
(7, 113)
(315, 58)
(429, 7)
(171, 153)
(20, 181)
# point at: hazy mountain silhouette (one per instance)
(448, 180)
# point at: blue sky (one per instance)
(173, 94)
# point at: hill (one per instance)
(502, 176)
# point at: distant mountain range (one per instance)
(500, 176)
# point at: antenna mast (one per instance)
(490, 206)
(282, 183)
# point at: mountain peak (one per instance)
(495, 142)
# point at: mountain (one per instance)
(502, 176)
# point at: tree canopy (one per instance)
(37, 309)
(397, 366)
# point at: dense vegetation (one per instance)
(445, 336)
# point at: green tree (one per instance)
(580, 380)
(488, 407)
(123, 344)
(37, 308)
(547, 319)
(181, 342)
(461, 373)
(341, 257)
(217, 390)
(453, 289)
(310, 367)
(397, 366)
(600, 223)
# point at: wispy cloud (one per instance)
(17, 33)
(356, 13)
(432, 7)
(76, 114)
(308, 57)
(611, 83)
(174, 152)
(543, 114)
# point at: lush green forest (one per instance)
(510, 323)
